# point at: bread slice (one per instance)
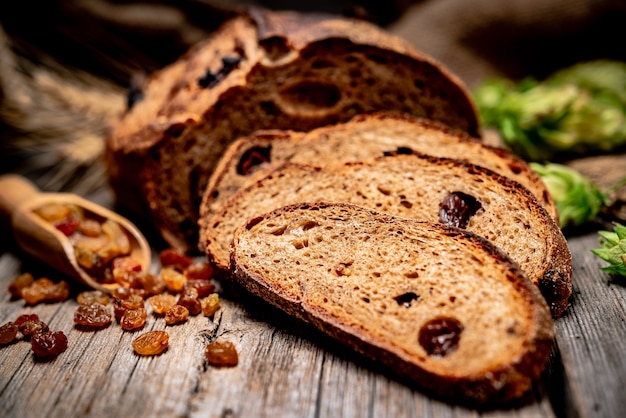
(363, 137)
(437, 304)
(277, 70)
(422, 187)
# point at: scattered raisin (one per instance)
(133, 319)
(58, 292)
(440, 336)
(49, 344)
(26, 317)
(189, 299)
(8, 333)
(176, 314)
(210, 304)
(174, 280)
(89, 297)
(161, 303)
(94, 315)
(19, 283)
(151, 343)
(222, 354)
(198, 271)
(149, 283)
(31, 328)
(37, 291)
(457, 208)
(172, 257)
(120, 306)
(204, 287)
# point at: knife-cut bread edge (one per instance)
(436, 304)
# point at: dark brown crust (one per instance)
(478, 389)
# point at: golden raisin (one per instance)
(174, 280)
(19, 283)
(210, 304)
(58, 292)
(172, 257)
(149, 283)
(90, 228)
(198, 271)
(32, 327)
(8, 333)
(151, 343)
(125, 270)
(133, 319)
(89, 297)
(222, 354)
(94, 316)
(189, 299)
(176, 314)
(204, 287)
(37, 291)
(161, 303)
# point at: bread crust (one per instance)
(413, 186)
(491, 382)
(162, 151)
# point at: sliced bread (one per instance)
(264, 70)
(422, 187)
(433, 303)
(363, 137)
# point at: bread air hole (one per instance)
(440, 336)
(252, 159)
(309, 96)
(406, 299)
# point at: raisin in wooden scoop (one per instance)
(75, 236)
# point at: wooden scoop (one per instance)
(19, 198)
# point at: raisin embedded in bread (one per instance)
(436, 304)
(276, 70)
(363, 137)
(422, 187)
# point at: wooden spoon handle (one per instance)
(14, 191)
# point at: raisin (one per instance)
(37, 291)
(89, 297)
(49, 344)
(33, 327)
(123, 293)
(176, 314)
(133, 319)
(161, 303)
(90, 228)
(151, 343)
(125, 270)
(58, 292)
(8, 333)
(457, 208)
(204, 287)
(174, 280)
(189, 299)
(172, 257)
(222, 354)
(252, 159)
(149, 283)
(198, 271)
(440, 336)
(19, 283)
(120, 306)
(210, 304)
(94, 315)
(26, 317)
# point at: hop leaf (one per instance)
(613, 250)
(577, 198)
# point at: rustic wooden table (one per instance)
(288, 369)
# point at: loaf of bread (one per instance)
(433, 303)
(421, 187)
(364, 137)
(276, 70)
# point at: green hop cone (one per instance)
(577, 198)
(613, 250)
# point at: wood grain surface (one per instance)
(286, 368)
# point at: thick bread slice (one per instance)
(363, 137)
(437, 304)
(416, 186)
(276, 70)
